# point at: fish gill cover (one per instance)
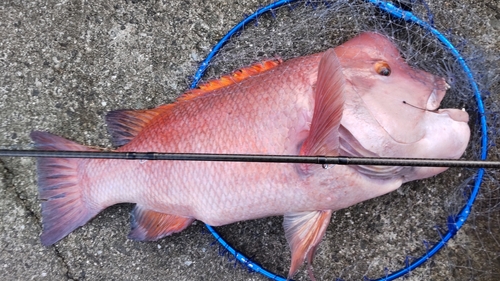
(369, 240)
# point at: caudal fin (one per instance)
(63, 206)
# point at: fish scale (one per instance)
(238, 137)
(358, 99)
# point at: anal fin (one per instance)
(304, 231)
(148, 225)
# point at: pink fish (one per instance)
(359, 99)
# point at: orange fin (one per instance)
(329, 101)
(148, 225)
(304, 231)
(124, 125)
(64, 207)
(233, 78)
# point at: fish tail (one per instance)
(64, 207)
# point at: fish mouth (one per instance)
(437, 94)
(455, 114)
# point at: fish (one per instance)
(358, 99)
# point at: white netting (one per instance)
(376, 237)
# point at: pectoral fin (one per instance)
(148, 225)
(304, 231)
(329, 98)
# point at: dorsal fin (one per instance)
(124, 125)
(233, 78)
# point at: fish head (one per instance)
(394, 108)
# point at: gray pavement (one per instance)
(64, 64)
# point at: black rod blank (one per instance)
(323, 160)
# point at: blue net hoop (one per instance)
(455, 222)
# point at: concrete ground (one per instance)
(64, 64)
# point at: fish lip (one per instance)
(437, 95)
(455, 114)
(432, 103)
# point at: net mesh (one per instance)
(377, 237)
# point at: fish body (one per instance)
(359, 99)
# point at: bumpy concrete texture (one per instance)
(64, 64)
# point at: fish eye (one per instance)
(383, 68)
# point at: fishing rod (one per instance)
(322, 160)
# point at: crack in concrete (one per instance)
(69, 274)
(7, 178)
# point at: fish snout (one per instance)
(456, 114)
(438, 93)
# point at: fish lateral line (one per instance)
(254, 158)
